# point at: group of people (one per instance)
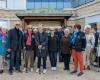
(67, 44)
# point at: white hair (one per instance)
(66, 30)
(87, 26)
(4, 27)
(35, 29)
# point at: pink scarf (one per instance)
(28, 42)
(3, 36)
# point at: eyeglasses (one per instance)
(29, 28)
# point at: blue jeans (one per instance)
(15, 60)
(53, 59)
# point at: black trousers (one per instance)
(15, 60)
(40, 59)
(66, 59)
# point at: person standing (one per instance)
(1, 57)
(29, 45)
(90, 40)
(96, 45)
(98, 60)
(41, 43)
(35, 30)
(65, 48)
(78, 42)
(15, 44)
(59, 33)
(53, 48)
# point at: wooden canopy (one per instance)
(44, 15)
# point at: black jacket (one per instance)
(80, 42)
(96, 38)
(53, 43)
(15, 39)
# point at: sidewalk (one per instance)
(51, 75)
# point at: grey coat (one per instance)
(41, 39)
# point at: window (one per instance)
(67, 4)
(52, 4)
(30, 5)
(38, 4)
(45, 3)
(3, 4)
(81, 2)
(75, 3)
(60, 4)
(87, 1)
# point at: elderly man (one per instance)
(41, 43)
(15, 44)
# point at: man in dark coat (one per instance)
(41, 43)
(15, 44)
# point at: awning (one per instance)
(44, 13)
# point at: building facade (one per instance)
(84, 11)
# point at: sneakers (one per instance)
(54, 68)
(80, 74)
(24, 70)
(73, 72)
(44, 71)
(37, 70)
(31, 69)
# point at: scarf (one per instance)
(28, 42)
(74, 37)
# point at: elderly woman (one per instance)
(78, 42)
(53, 48)
(29, 45)
(3, 47)
(90, 40)
(65, 48)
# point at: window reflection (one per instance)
(50, 4)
